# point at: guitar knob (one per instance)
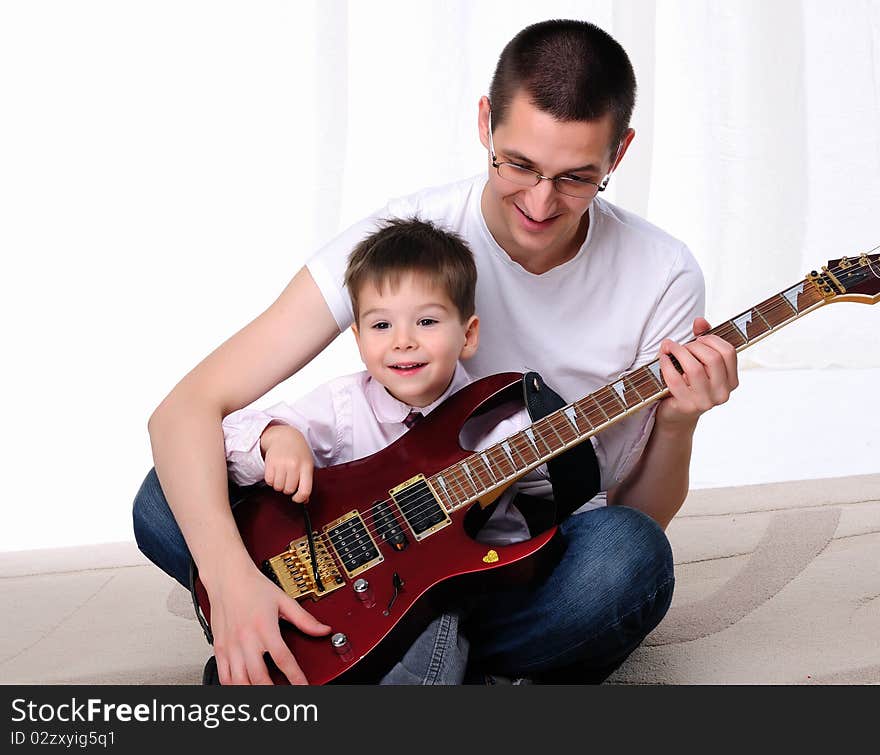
(364, 592)
(340, 644)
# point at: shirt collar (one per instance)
(388, 409)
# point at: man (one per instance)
(568, 285)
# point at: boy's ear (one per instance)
(357, 335)
(471, 337)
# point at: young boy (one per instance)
(412, 288)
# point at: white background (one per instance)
(165, 168)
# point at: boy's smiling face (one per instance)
(411, 336)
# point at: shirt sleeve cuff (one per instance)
(241, 435)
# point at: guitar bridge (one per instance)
(292, 570)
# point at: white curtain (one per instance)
(166, 166)
(758, 133)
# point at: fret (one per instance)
(601, 397)
(525, 449)
(538, 430)
(612, 401)
(488, 465)
(454, 502)
(480, 471)
(530, 435)
(462, 475)
(774, 311)
(500, 462)
(792, 295)
(642, 380)
(741, 323)
(547, 421)
(515, 454)
(654, 369)
(618, 389)
(592, 411)
(468, 474)
(600, 413)
(730, 333)
(451, 500)
(569, 413)
(583, 421)
(562, 426)
(749, 327)
(757, 311)
(628, 391)
(454, 478)
(505, 446)
(811, 297)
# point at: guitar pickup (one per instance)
(389, 527)
(420, 507)
(352, 543)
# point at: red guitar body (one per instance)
(269, 521)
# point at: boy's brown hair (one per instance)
(410, 245)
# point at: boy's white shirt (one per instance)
(354, 416)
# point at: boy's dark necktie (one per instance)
(412, 418)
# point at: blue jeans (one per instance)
(611, 587)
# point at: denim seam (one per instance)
(651, 597)
(438, 652)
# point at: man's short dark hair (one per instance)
(411, 245)
(572, 70)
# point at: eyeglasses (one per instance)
(581, 188)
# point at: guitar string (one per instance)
(425, 497)
(425, 501)
(556, 423)
(602, 397)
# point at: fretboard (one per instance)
(483, 471)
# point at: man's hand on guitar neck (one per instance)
(245, 609)
(709, 375)
(658, 483)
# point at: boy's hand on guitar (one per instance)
(245, 609)
(709, 375)
(289, 462)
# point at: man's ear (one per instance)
(628, 136)
(471, 338)
(483, 121)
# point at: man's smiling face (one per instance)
(538, 226)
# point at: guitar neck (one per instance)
(498, 466)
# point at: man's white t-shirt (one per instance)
(581, 325)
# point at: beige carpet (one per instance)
(775, 584)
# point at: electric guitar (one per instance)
(392, 531)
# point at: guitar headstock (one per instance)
(850, 279)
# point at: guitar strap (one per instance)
(574, 475)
